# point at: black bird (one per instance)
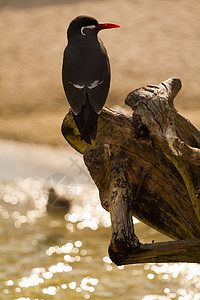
(57, 204)
(86, 73)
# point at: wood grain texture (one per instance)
(174, 251)
(147, 165)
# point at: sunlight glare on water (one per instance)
(47, 255)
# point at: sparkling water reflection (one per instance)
(47, 256)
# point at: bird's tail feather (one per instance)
(86, 122)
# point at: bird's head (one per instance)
(87, 26)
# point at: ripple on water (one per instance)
(53, 256)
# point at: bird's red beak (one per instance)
(101, 26)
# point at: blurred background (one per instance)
(64, 256)
(157, 40)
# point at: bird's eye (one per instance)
(87, 27)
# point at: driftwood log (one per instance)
(148, 166)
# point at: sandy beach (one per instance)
(157, 40)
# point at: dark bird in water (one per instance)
(86, 73)
(57, 204)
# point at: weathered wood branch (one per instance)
(147, 165)
(159, 119)
(162, 252)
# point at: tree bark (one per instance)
(147, 165)
(174, 251)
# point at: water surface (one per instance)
(64, 255)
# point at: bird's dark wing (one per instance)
(73, 78)
(97, 96)
(86, 72)
(97, 76)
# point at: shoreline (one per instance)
(32, 100)
(45, 128)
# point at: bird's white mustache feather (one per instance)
(87, 27)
